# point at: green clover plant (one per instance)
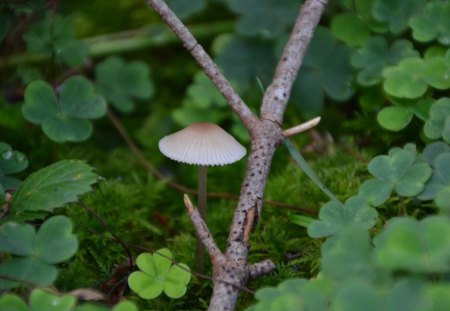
(63, 116)
(432, 23)
(396, 13)
(122, 83)
(158, 274)
(407, 244)
(54, 37)
(400, 172)
(35, 252)
(376, 54)
(335, 217)
(43, 299)
(438, 123)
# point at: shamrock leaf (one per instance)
(415, 246)
(54, 186)
(396, 13)
(432, 22)
(326, 70)
(335, 217)
(436, 71)
(290, 294)
(64, 117)
(121, 84)
(350, 28)
(350, 255)
(54, 36)
(269, 18)
(406, 80)
(395, 118)
(11, 162)
(375, 55)
(158, 274)
(359, 294)
(43, 300)
(203, 103)
(438, 124)
(9, 302)
(397, 171)
(39, 251)
(440, 179)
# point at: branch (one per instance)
(247, 117)
(301, 127)
(261, 268)
(202, 231)
(278, 92)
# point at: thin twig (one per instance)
(247, 117)
(259, 269)
(111, 231)
(301, 127)
(277, 94)
(202, 230)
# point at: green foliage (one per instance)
(42, 299)
(432, 23)
(335, 217)
(121, 83)
(438, 123)
(265, 18)
(350, 28)
(36, 253)
(397, 13)
(375, 55)
(54, 37)
(400, 171)
(395, 118)
(325, 70)
(407, 244)
(54, 186)
(158, 274)
(11, 162)
(185, 9)
(64, 117)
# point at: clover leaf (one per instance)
(335, 217)
(289, 295)
(350, 255)
(375, 55)
(203, 103)
(395, 118)
(43, 300)
(12, 302)
(11, 162)
(406, 80)
(35, 252)
(432, 23)
(326, 70)
(396, 13)
(438, 124)
(397, 171)
(359, 294)
(440, 178)
(54, 36)
(350, 28)
(122, 83)
(158, 274)
(63, 117)
(53, 186)
(269, 18)
(416, 246)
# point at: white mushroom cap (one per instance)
(202, 144)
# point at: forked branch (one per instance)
(231, 270)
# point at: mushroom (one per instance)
(202, 144)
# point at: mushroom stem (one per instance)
(200, 248)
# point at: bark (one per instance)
(231, 271)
